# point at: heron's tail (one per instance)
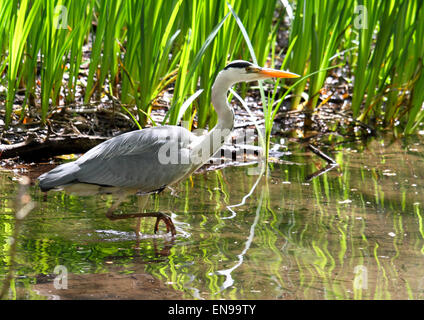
(59, 176)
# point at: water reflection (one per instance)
(355, 232)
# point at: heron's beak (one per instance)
(277, 73)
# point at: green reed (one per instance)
(54, 48)
(80, 16)
(137, 50)
(329, 20)
(212, 40)
(317, 30)
(380, 42)
(389, 65)
(192, 52)
(140, 48)
(106, 48)
(146, 64)
(19, 28)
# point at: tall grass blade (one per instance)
(21, 26)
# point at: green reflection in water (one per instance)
(355, 232)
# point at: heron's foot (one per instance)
(170, 227)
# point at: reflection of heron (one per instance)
(151, 159)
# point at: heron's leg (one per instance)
(109, 212)
(159, 215)
(170, 227)
(137, 233)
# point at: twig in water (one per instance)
(321, 154)
(331, 163)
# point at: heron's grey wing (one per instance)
(138, 159)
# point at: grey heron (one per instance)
(152, 159)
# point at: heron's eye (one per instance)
(249, 69)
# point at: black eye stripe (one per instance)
(238, 64)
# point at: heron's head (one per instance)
(244, 71)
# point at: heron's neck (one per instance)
(217, 136)
(214, 139)
(219, 101)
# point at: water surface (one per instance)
(355, 232)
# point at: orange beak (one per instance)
(277, 73)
